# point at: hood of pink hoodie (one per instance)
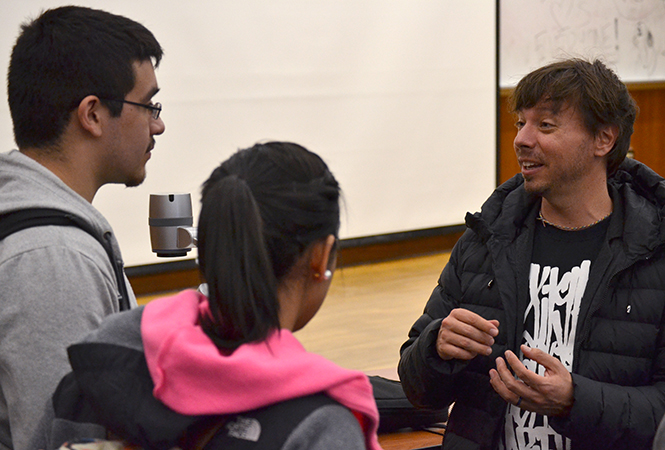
(192, 376)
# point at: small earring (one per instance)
(327, 274)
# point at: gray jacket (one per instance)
(328, 427)
(57, 285)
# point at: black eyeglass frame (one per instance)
(155, 109)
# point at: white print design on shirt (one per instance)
(550, 322)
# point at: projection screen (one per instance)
(398, 97)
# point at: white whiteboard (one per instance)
(628, 35)
(397, 96)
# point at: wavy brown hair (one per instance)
(592, 88)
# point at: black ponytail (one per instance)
(261, 209)
(235, 265)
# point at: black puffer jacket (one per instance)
(619, 361)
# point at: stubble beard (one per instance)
(534, 189)
(136, 181)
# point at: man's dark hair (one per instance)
(65, 55)
(592, 88)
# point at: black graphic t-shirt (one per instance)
(560, 266)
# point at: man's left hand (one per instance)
(549, 395)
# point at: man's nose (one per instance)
(157, 126)
(525, 137)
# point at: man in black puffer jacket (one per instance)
(545, 329)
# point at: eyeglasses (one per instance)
(155, 108)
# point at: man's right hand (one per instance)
(464, 335)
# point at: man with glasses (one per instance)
(81, 84)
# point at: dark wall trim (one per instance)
(176, 275)
(158, 268)
(399, 237)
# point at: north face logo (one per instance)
(244, 428)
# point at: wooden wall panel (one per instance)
(507, 160)
(648, 140)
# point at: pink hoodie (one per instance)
(192, 376)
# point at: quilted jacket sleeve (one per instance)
(428, 381)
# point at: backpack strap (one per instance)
(36, 217)
(266, 428)
(199, 435)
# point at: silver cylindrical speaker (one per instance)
(168, 212)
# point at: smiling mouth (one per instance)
(530, 165)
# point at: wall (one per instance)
(628, 35)
(389, 93)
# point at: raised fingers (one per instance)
(502, 381)
(549, 394)
(521, 372)
(549, 362)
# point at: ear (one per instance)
(323, 257)
(605, 139)
(90, 114)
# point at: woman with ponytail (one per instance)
(223, 369)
